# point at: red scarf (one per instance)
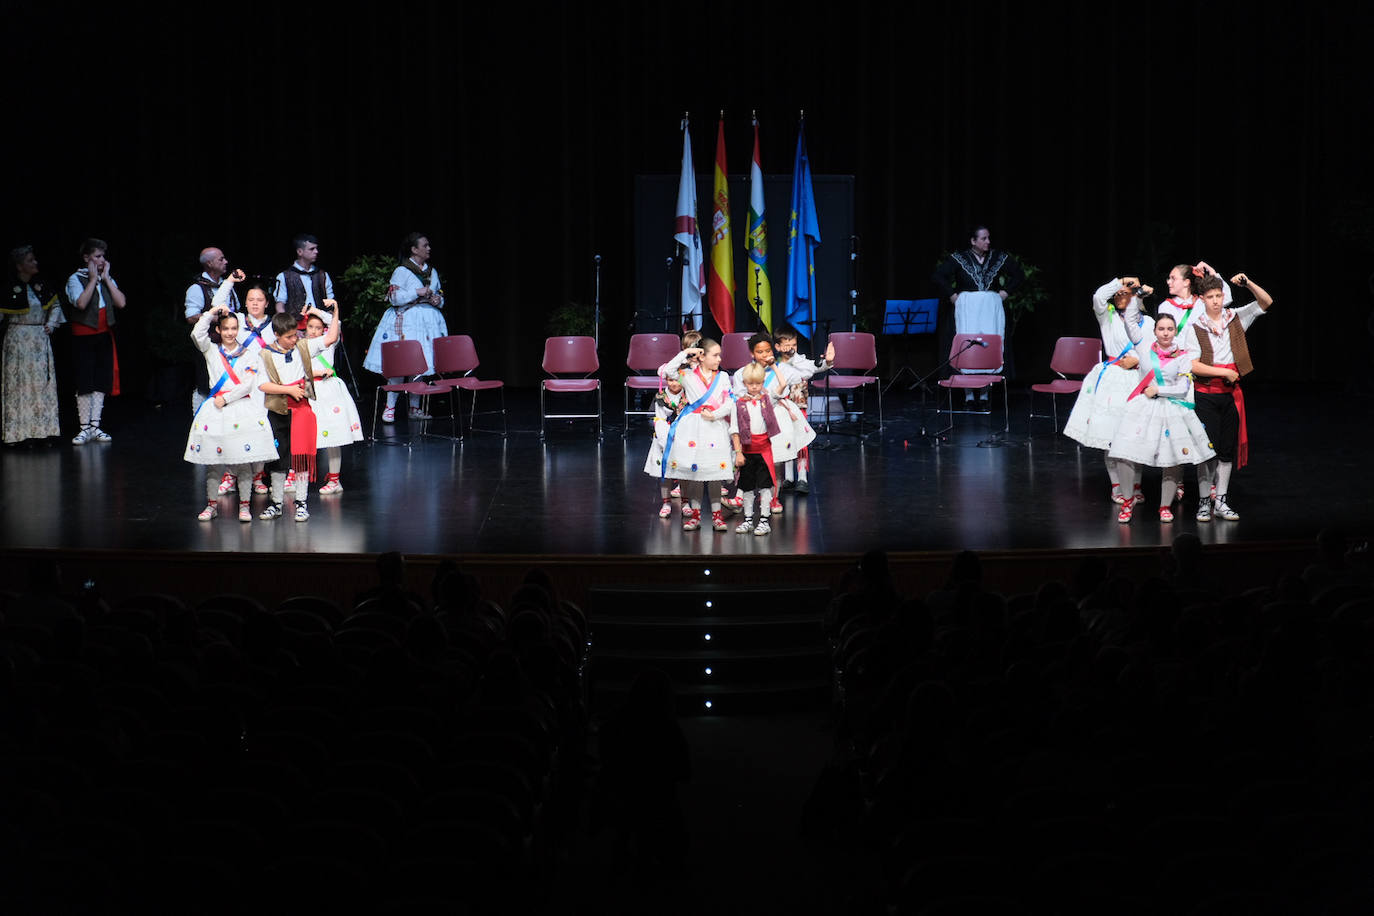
(304, 429)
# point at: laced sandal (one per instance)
(99, 435)
(745, 527)
(763, 528)
(302, 513)
(718, 521)
(245, 513)
(1117, 496)
(676, 492)
(1137, 497)
(389, 415)
(736, 503)
(1178, 494)
(209, 512)
(691, 520)
(1204, 509)
(331, 486)
(86, 434)
(259, 485)
(1124, 515)
(776, 506)
(1224, 512)
(271, 513)
(1166, 514)
(666, 509)
(227, 483)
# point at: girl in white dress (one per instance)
(667, 404)
(230, 428)
(1101, 401)
(1160, 427)
(698, 441)
(336, 416)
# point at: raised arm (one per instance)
(669, 369)
(1131, 317)
(1262, 298)
(1102, 299)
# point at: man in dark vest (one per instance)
(303, 285)
(214, 265)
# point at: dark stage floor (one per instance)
(571, 495)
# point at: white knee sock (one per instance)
(803, 466)
(1168, 486)
(1125, 472)
(789, 469)
(1206, 475)
(1223, 477)
(244, 473)
(212, 476)
(302, 486)
(278, 487)
(391, 395)
(765, 502)
(1111, 472)
(97, 406)
(83, 409)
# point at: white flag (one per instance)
(685, 231)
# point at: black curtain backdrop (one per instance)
(1094, 139)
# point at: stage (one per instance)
(1029, 489)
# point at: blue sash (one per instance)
(1124, 350)
(223, 379)
(690, 408)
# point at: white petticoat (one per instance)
(1100, 405)
(1161, 433)
(418, 322)
(238, 434)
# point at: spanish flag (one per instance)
(721, 290)
(756, 243)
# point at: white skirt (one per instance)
(1100, 405)
(238, 434)
(336, 416)
(418, 322)
(794, 432)
(1161, 433)
(980, 313)
(701, 449)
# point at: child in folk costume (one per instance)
(778, 383)
(336, 416)
(754, 429)
(255, 331)
(1101, 402)
(288, 388)
(1222, 357)
(668, 403)
(789, 360)
(698, 441)
(230, 427)
(1160, 427)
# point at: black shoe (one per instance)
(787, 485)
(803, 487)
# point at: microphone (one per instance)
(597, 258)
(980, 342)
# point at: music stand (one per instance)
(905, 317)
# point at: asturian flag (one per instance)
(803, 236)
(685, 232)
(722, 288)
(756, 244)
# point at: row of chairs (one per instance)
(570, 362)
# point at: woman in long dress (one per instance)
(416, 299)
(28, 380)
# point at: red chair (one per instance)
(734, 350)
(855, 351)
(457, 354)
(647, 353)
(1072, 356)
(570, 356)
(403, 359)
(974, 351)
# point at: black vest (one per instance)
(90, 315)
(295, 289)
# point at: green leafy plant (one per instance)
(363, 287)
(1029, 295)
(572, 319)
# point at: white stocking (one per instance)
(97, 406)
(1223, 478)
(1168, 486)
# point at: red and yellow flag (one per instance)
(721, 288)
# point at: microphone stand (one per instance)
(853, 283)
(758, 303)
(921, 382)
(668, 295)
(596, 304)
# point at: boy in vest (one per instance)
(1218, 336)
